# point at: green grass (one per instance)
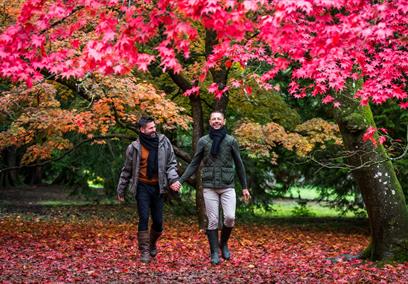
(308, 193)
(292, 210)
(95, 184)
(289, 209)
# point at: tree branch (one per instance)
(180, 81)
(405, 150)
(180, 153)
(76, 9)
(120, 122)
(349, 154)
(108, 136)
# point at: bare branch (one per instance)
(182, 154)
(108, 136)
(350, 154)
(180, 81)
(405, 151)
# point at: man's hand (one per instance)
(246, 195)
(121, 198)
(175, 186)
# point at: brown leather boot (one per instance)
(144, 245)
(154, 236)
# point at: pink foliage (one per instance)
(364, 41)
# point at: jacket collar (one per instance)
(136, 143)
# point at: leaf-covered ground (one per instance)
(98, 245)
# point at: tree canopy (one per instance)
(332, 41)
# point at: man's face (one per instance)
(149, 129)
(217, 120)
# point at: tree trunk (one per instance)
(12, 162)
(9, 178)
(34, 175)
(379, 186)
(198, 131)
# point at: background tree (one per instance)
(49, 119)
(371, 41)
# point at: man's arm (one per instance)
(195, 162)
(171, 167)
(125, 174)
(239, 165)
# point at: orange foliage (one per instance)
(128, 99)
(38, 121)
(9, 11)
(260, 140)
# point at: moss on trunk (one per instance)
(377, 181)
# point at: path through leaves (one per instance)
(64, 246)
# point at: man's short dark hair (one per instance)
(143, 121)
(217, 111)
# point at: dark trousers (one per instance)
(148, 198)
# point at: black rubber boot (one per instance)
(154, 236)
(144, 245)
(225, 235)
(213, 240)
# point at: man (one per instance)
(219, 152)
(151, 166)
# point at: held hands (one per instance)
(246, 195)
(121, 198)
(175, 186)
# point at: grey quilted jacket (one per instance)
(167, 169)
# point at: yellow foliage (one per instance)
(38, 121)
(261, 140)
(9, 11)
(44, 151)
(128, 100)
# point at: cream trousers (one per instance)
(212, 197)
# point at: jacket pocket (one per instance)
(227, 176)
(208, 174)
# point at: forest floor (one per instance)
(98, 244)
